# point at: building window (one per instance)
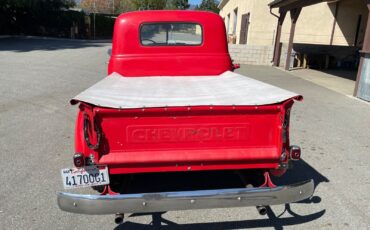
(235, 20)
(244, 28)
(228, 24)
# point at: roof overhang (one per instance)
(291, 4)
(222, 4)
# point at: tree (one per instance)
(27, 17)
(121, 6)
(36, 4)
(125, 6)
(149, 4)
(178, 4)
(97, 6)
(208, 5)
(107, 6)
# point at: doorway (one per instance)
(244, 29)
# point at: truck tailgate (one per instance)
(197, 138)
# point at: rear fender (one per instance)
(80, 143)
(285, 122)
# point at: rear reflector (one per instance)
(295, 152)
(78, 160)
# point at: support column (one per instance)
(277, 50)
(334, 23)
(365, 52)
(294, 14)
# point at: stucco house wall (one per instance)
(314, 25)
(261, 33)
(262, 24)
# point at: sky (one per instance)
(193, 2)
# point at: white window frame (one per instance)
(228, 24)
(235, 11)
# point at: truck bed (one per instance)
(161, 124)
(229, 88)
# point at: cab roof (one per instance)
(126, 38)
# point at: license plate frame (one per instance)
(94, 175)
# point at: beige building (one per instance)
(259, 25)
(301, 33)
(325, 23)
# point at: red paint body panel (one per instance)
(131, 59)
(174, 139)
(254, 155)
(156, 168)
(181, 138)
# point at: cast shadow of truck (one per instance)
(301, 172)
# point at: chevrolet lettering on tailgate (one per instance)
(187, 133)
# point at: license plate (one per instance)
(85, 177)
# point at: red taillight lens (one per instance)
(295, 152)
(78, 160)
(236, 66)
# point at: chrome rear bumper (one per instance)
(185, 200)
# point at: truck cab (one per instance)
(171, 103)
(169, 43)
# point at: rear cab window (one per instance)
(171, 34)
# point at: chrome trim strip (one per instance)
(185, 200)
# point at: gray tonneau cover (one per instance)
(229, 88)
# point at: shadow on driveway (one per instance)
(20, 44)
(272, 221)
(301, 171)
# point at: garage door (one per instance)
(364, 84)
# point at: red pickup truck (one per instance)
(171, 103)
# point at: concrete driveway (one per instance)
(37, 79)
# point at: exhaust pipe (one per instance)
(262, 210)
(119, 218)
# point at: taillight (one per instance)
(295, 152)
(78, 160)
(285, 134)
(235, 66)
